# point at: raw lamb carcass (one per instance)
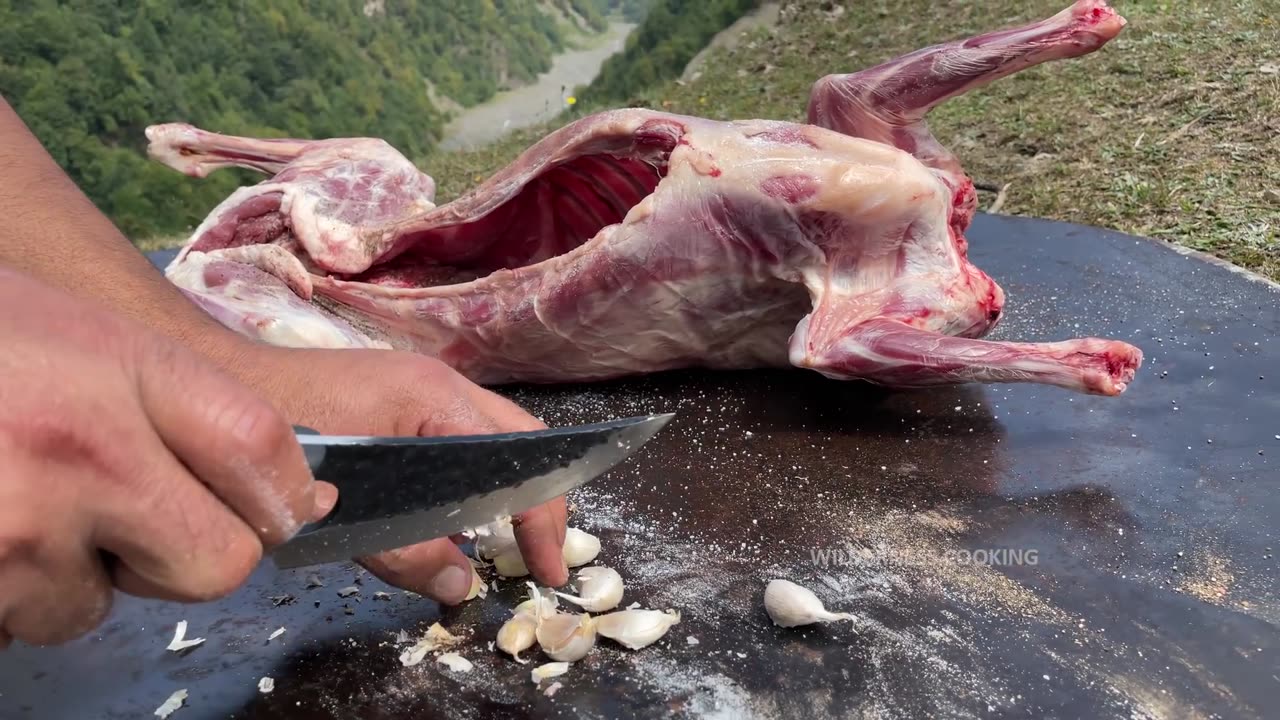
(634, 241)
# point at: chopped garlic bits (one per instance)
(549, 670)
(455, 662)
(178, 643)
(173, 703)
(435, 638)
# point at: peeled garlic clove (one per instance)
(580, 547)
(790, 605)
(510, 563)
(600, 589)
(566, 636)
(517, 635)
(548, 670)
(635, 629)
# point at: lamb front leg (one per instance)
(892, 353)
(339, 199)
(888, 103)
(196, 153)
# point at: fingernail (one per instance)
(451, 584)
(326, 497)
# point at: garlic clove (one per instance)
(790, 605)
(635, 629)
(495, 538)
(548, 670)
(478, 588)
(510, 563)
(600, 589)
(580, 547)
(517, 635)
(567, 637)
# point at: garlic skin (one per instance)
(566, 637)
(548, 670)
(635, 629)
(478, 588)
(435, 638)
(600, 589)
(547, 604)
(790, 605)
(580, 547)
(179, 641)
(495, 538)
(510, 563)
(517, 635)
(454, 662)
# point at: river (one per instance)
(538, 102)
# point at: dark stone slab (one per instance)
(1007, 550)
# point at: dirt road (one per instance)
(538, 102)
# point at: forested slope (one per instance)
(672, 33)
(89, 75)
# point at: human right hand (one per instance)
(127, 460)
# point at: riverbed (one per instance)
(538, 102)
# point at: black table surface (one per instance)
(1007, 551)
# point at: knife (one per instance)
(399, 491)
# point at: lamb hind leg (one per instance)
(888, 103)
(892, 353)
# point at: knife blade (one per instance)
(399, 491)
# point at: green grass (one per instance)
(1171, 131)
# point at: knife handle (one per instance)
(314, 453)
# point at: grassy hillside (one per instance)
(1171, 131)
(89, 75)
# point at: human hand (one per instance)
(381, 392)
(127, 460)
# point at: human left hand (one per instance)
(383, 392)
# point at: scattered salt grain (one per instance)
(691, 640)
